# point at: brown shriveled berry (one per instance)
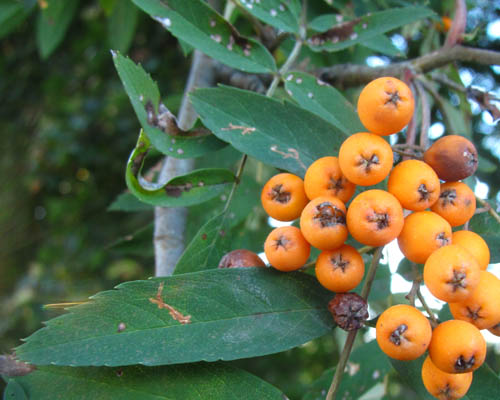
(241, 258)
(349, 311)
(453, 157)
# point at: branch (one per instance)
(170, 223)
(353, 74)
(344, 356)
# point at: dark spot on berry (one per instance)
(458, 281)
(282, 241)
(397, 335)
(474, 314)
(448, 197)
(393, 98)
(423, 192)
(442, 239)
(329, 215)
(367, 163)
(381, 219)
(335, 184)
(280, 195)
(339, 262)
(463, 365)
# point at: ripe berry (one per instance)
(453, 157)
(365, 159)
(457, 347)
(283, 197)
(475, 245)
(456, 203)
(385, 106)
(403, 332)
(375, 217)
(286, 249)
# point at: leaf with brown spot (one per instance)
(182, 191)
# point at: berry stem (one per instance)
(415, 292)
(346, 352)
(425, 113)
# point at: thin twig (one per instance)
(434, 320)
(408, 155)
(415, 287)
(426, 115)
(439, 102)
(344, 356)
(487, 205)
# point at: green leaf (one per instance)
(489, 229)
(12, 13)
(208, 246)
(199, 25)
(234, 313)
(127, 202)
(141, 89)
(52, 24)
(194, 381)
(345, 34)
(485, 385)
(122, 24)
(366, 368)
(486, 166)
(324, 100)
(138, 243)
(186, 190)
(382, 44)
(279, 134)
(14, 391)
(280, 14)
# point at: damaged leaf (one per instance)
(199, 25)
(235, 313)
(182, 191)
(347, 33)
(145, 98)
(285, 136)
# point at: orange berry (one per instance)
(451, 273)
(375, 217)
(475, 245)
(324, 178)
(453, 157)
(423, 232)
(414, 184)
(323, 223)
(482, 307)
(403, 332)
(456, 203)
(385, 106)
(283, 197)
(340, 270)
(443, 385)
(457, 347)
(286, 249)
(365, 159)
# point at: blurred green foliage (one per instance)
(67, 128)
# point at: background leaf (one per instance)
(14, 391)
(121, 25)
(12, 13)
(382, 44)
(140, 89)
(194, 381)
(202, 27)
(285, 136)
(127, 202)
(366, 27)
(489, 229)
(277, 13)
(208, 246)
(366, 368)
(324, 100)
(235, 313)
(53, 22)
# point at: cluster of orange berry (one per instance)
(454, 262)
